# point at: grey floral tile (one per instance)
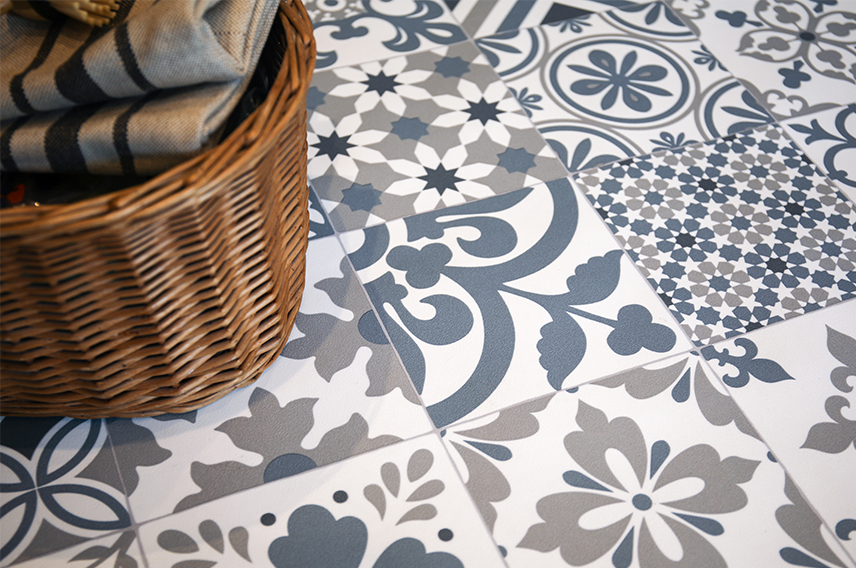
(733, 234)
(796, 56)
(337, 390)
(480, 18)
(319, 224)
(59, 486)
(619, 84)
(402, 505)
(796, 381)
(829, 139)
(652, 467)
(419, 132)
(355, 31)
(119, 550)
(508, 298)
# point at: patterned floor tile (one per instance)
(796, 381)
(60, 486)
(829, 139)
(482, 18)
(120, 550)
(796, 56)
(505, 299)
(338, 390)
(399, 506)
(416, 133)
(354, 31)
(733, 234)
(649, 468)
(319, 224)
(619, 84)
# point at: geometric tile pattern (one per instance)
(733, 234)
(796, 56)
(619, 84)
(805, 370)
(829, 139)
(418, 132)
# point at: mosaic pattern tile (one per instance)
(480, 18)
(796, 56)
(652, 467)
(399, 506)
(60, 486)
(319, 224)
(120, 550)
(501, 300)
(354, 31)
(444, 130)
(619, 84)
(734, 234)
(338, 390)
(805, 370)
(829, 139)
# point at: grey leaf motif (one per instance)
(419, 464)
(645, 383)
(422, 512)
(391, 477)
(513, 423)
(177, 542)
(376, 497)
(843, 348)
(211, 534)
(194, 564)
(832, 437)
(485, 483)
(102, 553)
(239, 538)
(427, 490)
(800, 522)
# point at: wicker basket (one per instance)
(165, 296)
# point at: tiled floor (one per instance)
(580, 292)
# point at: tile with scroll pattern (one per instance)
(402, 505)
(480, 18)
(620, 83)
(119, 550)
(796, 382)
(829, 139)
(652, 467)
(355, 31)
(733, 234)
(59, 486)
(419, 132)
(337, 390)
(508, 298)
(796, 56)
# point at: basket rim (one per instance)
(192, 178)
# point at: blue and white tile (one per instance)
(483, 18)
(402, 505)
(734, 234)
(796, 56)
(619, 84)
(829, 139)
(337, 390)
(348, 32)
(508, 298)
(655, 466)
(796, 380)
(60, 486)
(319, 223)
(415, 133)
(119, 550)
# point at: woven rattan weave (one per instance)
(165, 296)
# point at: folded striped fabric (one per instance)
(136, 97)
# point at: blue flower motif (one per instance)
(706, 58)
(526, 100)
(575, 25)
(620, 80)
(670, 141)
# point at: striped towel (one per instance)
(133, 98)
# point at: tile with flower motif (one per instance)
(119, 550)
(337, 390)
(796, 381)
(355, 31)
(796, 56)
(733, 234)
(402, 505)
(829, 139)
(411, 134)
(652, 467)
(508, 298)
(618, 84)
(480, 18)
(59, 486)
